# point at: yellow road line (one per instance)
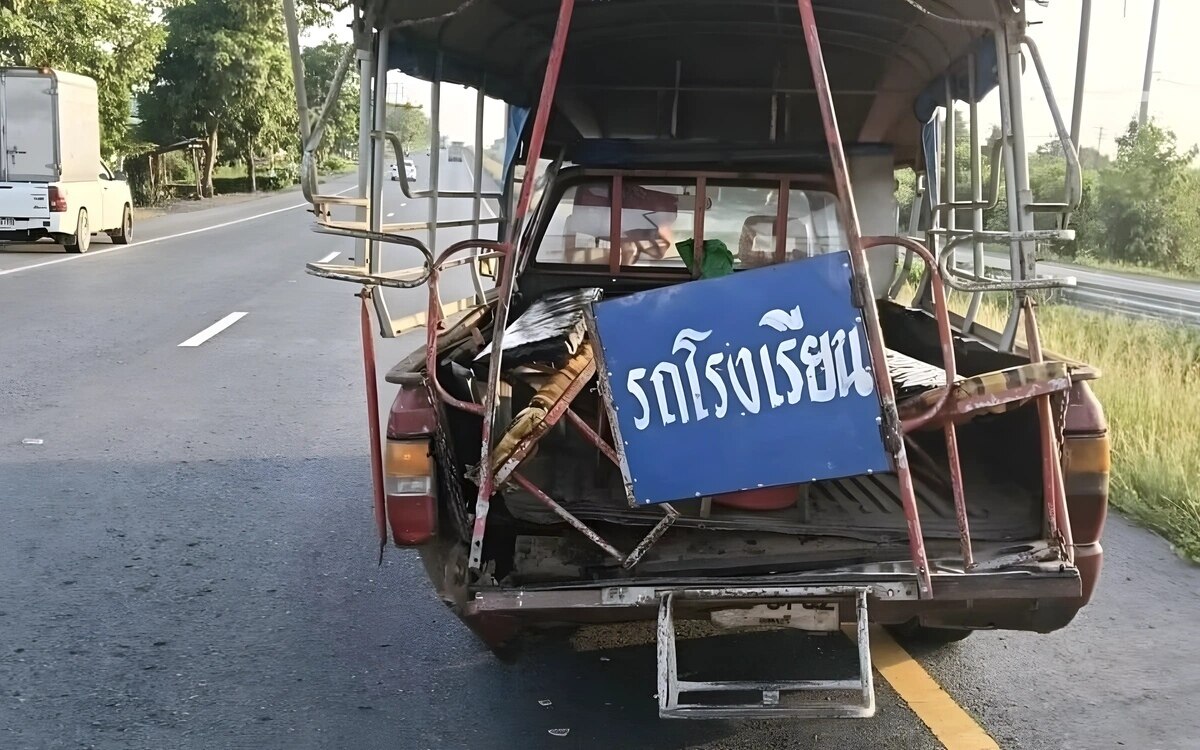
(952, 725)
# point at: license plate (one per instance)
(811, 616)
(5, 222)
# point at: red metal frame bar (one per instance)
(655, 534)
(1058, 521)
(946, 339)
(941, 313)
(513, 464)
(960, 499)
(372, 383)
(807, 180)
(862, 282)
(670, 513)
(509, 470)
(566, 515)
(507, 279)
(592, 436)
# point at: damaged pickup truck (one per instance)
(692, 391)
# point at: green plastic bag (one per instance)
(718, 261)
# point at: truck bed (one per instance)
(865, 508)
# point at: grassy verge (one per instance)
(1150, 389)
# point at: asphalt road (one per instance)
(187, 558)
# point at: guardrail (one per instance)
(1125, 294)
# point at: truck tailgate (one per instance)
(22, 203)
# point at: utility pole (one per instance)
(1144, 112)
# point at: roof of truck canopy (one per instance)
(695, 72)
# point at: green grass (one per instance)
(1150, 389)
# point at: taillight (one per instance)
(1086, 462)
(408, 484)
(58, 200)
(1085, 478)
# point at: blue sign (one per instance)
(758, 379)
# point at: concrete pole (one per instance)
(1085, 25)
(1144, 112)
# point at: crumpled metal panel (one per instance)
(549, 332)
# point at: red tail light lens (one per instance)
(409, 487)
(58, 200)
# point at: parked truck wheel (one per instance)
(124, 234)
(81, 241)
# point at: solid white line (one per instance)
(329, 257)
(190, 232)
(214, 329)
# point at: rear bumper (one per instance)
(20, 235)
(57, 221)
(1042, 598)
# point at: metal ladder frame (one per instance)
(671, 687)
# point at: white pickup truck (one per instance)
(52, 181)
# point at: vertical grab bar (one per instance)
(865, 296)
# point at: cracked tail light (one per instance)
(409, 486)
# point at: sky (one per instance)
(1116, 64)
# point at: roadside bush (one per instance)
(282, 176)
(266, 183)
(227, 185)
(334, 164)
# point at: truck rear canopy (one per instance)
(51, 127)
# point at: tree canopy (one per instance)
(223, 72)
(114, 42)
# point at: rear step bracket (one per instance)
(670, 686)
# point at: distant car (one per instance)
(410, 171)
(455, 152)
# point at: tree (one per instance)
(223, 71)
(113, 41)
(341, 128)
(1147, 201)
(264, 122)
(410, 122)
